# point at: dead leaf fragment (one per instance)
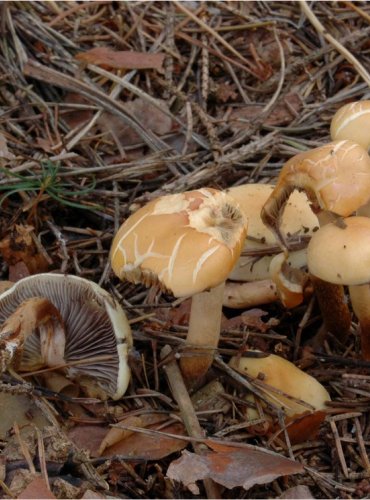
(19, 246)
(37, 488)
(231, 468)
(151, 117)
(122, 59)
(283, 113)
(300, 491)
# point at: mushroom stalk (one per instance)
(333, 306)
(360, 298)
(249, 294)
(203, 334)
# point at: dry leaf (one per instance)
(88, 437)
(150, 117)
(150, 447)
(116, 434)
(37, 488)
(250, 319)
(282, 114)
(306, 427)
(76, 117)
(122, 59)
(231, 467)
(19, 246)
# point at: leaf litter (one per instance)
(240, 88)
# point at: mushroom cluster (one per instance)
(336, 179)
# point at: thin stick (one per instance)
(188, 415)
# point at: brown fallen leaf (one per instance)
(150, 447)
(282, 114)
(19, 246)
(231, 467)
(150, 116)
(37, 488)
(251, 319)
(122, 59)
(306, 428)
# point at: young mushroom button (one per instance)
(186, 243)
(341, 254)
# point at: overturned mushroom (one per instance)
(186, 243)
(97, 333)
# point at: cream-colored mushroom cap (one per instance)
(340, 253)
(285, 376)
(352, 121)
(335, 176)
(186, 242)
(297, 219)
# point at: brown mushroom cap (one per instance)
(186, 242)
(95, 325)
(352, 121)
(340, 254)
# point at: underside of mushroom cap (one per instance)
(186, 243)
(95, 324)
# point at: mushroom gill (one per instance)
(98, 335)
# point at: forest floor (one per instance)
(216, 94)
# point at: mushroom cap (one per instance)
(285, 376)
(186, 242)
(336, 176)
(340, 254)
(352, 121)
(95, 324)
(297, 219)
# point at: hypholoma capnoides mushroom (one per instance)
(186, 243)
(97, 333)
(340, 254)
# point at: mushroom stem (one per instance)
(203, 334)
(249, 294)
(333, 306)
(360, 298)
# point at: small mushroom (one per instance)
(336, 178)
(352, 121)
(260, 259)
(341, 255)
(97, 333)
(284, 376)
(186, 243)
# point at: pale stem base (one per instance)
(203, 334)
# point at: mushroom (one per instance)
(336, 178)
(186, 243)
(352, 122)
(97, 333)
(260, 260)
(341, 255)
(284, 376)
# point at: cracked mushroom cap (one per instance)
(352, 121)
(186, 242)
(340, 253)
(95, 324)
(336, 178)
